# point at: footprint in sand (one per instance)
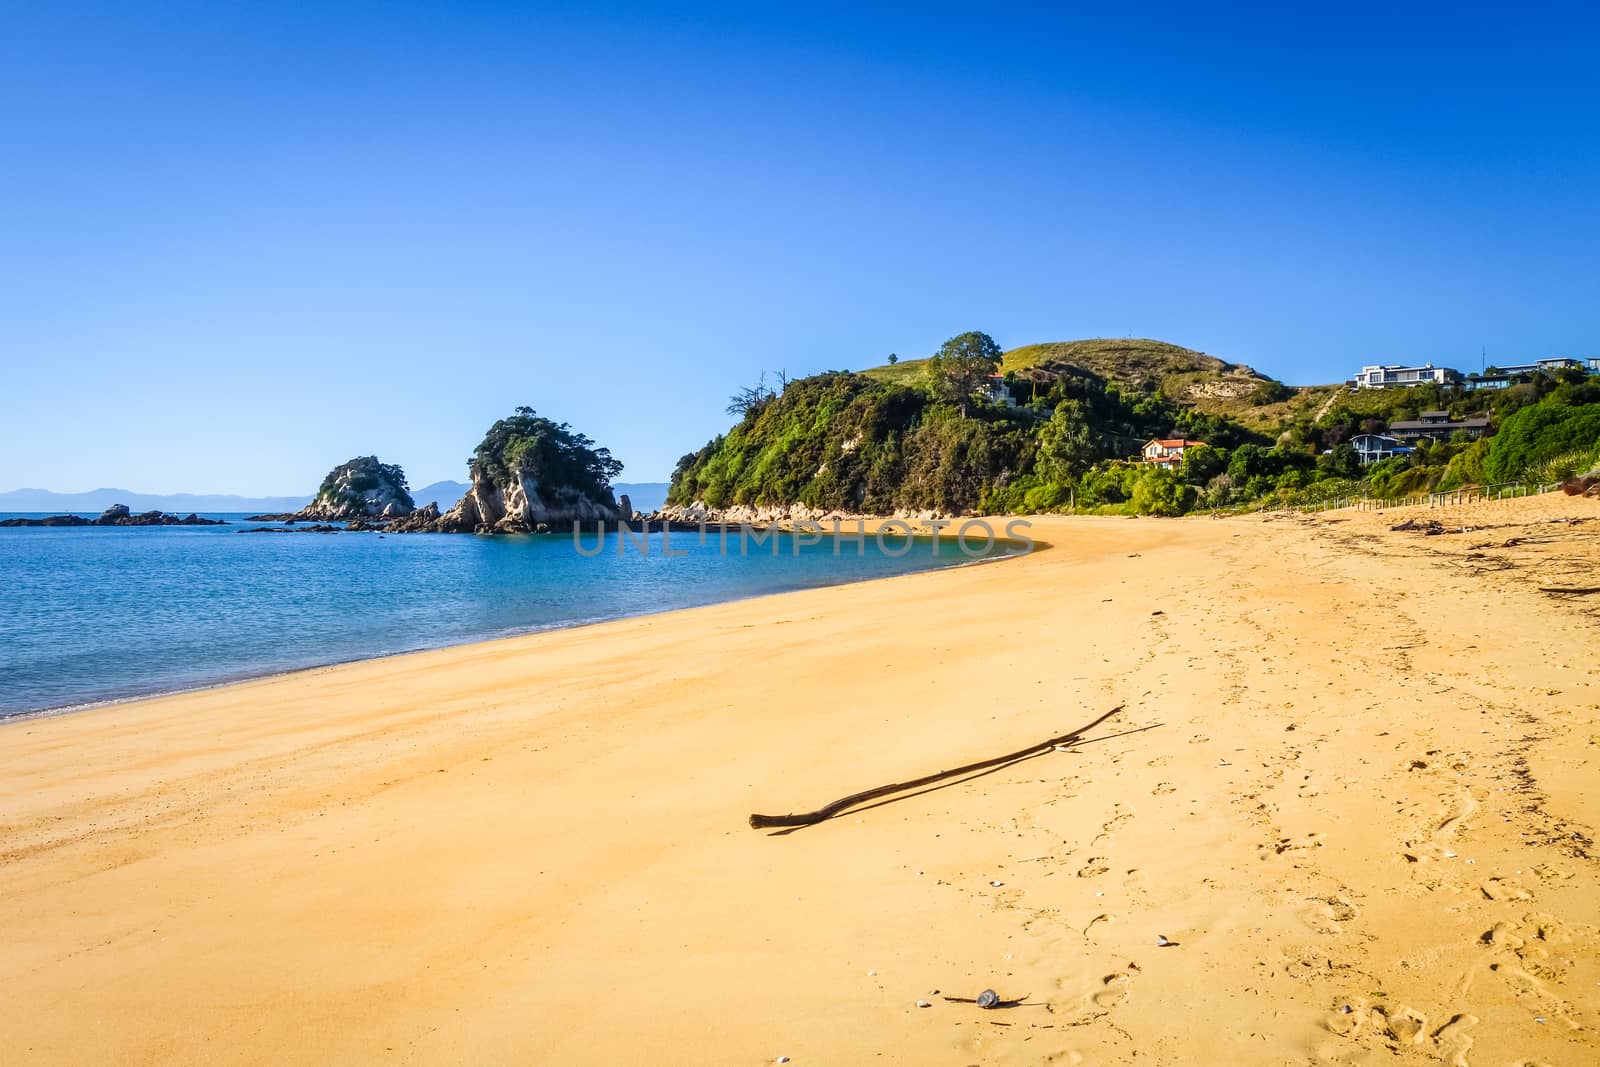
(1406, 1025)
(1327, 915)
(1537, 950)
(1094, 868)
(1533, 992)
(1453, 1040)
(1163, 788)
(1504, 889)
(1114, 991)
(1461, 809)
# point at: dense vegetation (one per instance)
(551, 452)
(896, 438)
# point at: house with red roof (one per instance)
(1167, 451)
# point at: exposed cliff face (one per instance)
(522, 505)
(363, 488)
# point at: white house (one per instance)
(996, 389)
(1395, 376)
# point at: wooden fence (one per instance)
(1471, 494)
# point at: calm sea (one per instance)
(91, 614)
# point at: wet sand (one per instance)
(1356, 783)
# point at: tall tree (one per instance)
(962, 365)
(1067, 445)
(750, 399)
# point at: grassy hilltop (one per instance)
(1206, 383)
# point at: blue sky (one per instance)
(243, 242)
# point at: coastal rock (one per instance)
(522, 505)
(119, 515)
(422, 519)
(530, 472)
(53, 520)
(362, 488)
(767, 514)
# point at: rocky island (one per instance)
(529, 474)
(358, 489)
(119, 515)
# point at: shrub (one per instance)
(1538, 434)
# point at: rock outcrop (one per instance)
(531, 475)
(422, 520)
(119, 515)
(363, 488)
(765, 514)
(522, 505)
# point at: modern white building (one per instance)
(1374, 447)
(1509, 374)
(1396, 376)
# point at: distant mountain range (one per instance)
(646, 496)
(97, 500)
(442, 493)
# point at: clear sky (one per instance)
(242, 242)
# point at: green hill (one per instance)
(1068, 431)
(1185, 376)
(882, 441)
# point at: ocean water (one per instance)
(91, 614)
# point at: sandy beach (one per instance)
(1354, 787)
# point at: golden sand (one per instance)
(1363, 812)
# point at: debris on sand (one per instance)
(989, 1000)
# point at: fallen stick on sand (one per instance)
(1581, 590)
(761, 822)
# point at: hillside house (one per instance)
(996, 389)
(1168, 451)
(1439, 426)
(1510, 374)
(1375, 447)
(1396, 376)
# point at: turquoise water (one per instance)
(93, 613)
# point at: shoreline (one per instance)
(537, 849)
(241, 679)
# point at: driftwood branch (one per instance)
(761, 822)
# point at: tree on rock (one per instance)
(551, 451)
(963, 365)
